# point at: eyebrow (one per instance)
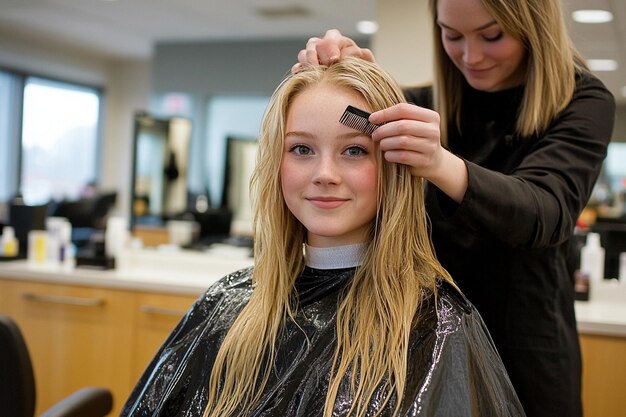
(343, 136)
(485, 26)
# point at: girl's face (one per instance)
(490, 59)
(329, 172)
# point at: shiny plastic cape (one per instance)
(453, 370)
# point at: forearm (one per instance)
(451, 176)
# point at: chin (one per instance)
(481, 85)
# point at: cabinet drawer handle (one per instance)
(62, 299)
(161, 310)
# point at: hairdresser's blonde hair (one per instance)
(375, 318)
(550, 66)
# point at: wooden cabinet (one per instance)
(155, 317)
(89, 336)
(604, 375)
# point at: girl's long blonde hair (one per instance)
(550, 66)
(375, 318)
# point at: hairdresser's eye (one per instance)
(493, 38)
(451, 36)
(301, 150)
(355, 151)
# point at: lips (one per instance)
(326, 202)
(477, 71)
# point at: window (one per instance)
(59, 143)
(10, 97)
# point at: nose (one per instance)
(472, 53)
(326, 171)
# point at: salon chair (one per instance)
(17, 383)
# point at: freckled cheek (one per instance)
(292, 178)
(366, 183)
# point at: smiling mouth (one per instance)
(477, 70)
(326, 202)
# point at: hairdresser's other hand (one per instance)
(332, 47)
(410, 135)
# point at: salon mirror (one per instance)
(161, 157)
(240, 162)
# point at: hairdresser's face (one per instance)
(490, 59)
(329, 171)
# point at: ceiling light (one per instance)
(602, 64)
(592, 16)
(367, 27)
(283, 12)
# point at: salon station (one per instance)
(115, 226)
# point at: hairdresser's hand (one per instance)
(332, 47)
(410, 135)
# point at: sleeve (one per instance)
(544, 195)
(421, 96)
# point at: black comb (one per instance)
(357, 120)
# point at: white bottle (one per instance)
(592, 258)
(9, 245)
(116, 237)
(67, 251)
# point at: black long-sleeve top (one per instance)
(506, 243)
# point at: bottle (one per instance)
(592, 258)
(53, 244)
(67, 250)
(9, 244)
(37, 247)
(116, 238)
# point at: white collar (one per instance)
(337, 257)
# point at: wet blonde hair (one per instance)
(375, 318)
(549, 68)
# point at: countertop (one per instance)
(605, 312)
(151, 270)
(192, 272)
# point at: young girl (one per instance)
(346, 311)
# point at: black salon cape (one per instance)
(507, 243)
(453, 369)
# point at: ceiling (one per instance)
(130, 28)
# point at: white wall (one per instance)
(128, 90)
(403, 44)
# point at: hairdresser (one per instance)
(511, 138)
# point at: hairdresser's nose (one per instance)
(472, 53)
(326, 171)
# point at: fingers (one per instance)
(329, 47)
(332, 47)
(405, 111)
(421, 155)
(409, 135)
(356, 51)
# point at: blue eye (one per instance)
(355, 151)
(301, 150)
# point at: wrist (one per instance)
(451, 176)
